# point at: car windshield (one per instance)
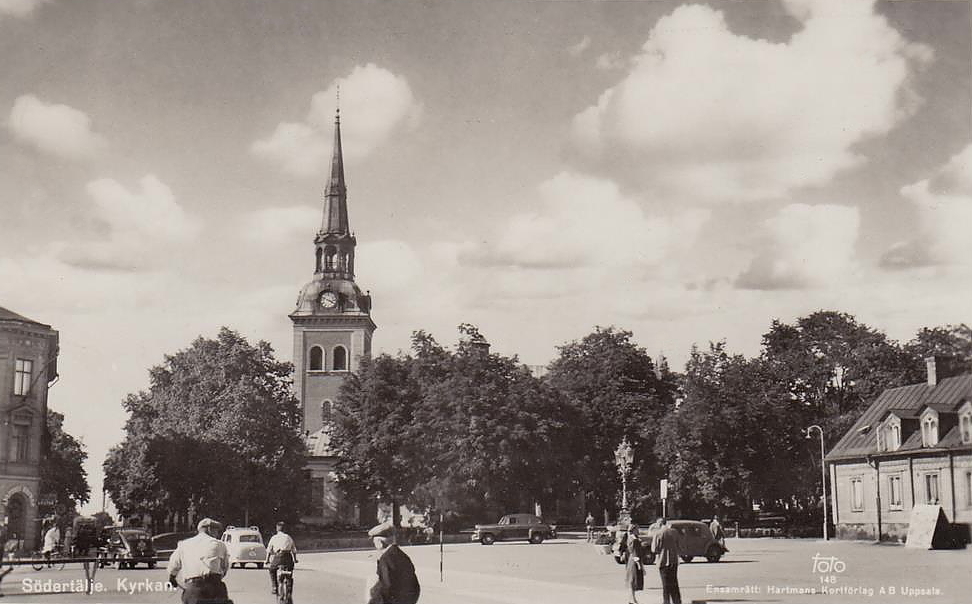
(250, 539)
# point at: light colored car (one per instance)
(695, 539)
(245, 545)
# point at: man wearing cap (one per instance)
(396, 582)
(203, 561)
(281, 553)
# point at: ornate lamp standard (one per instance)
(823, 476)
(624, 458)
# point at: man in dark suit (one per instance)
(667, 549)
(396, 583)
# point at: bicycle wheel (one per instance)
(59, 564)
(38, 565)
(284, 593)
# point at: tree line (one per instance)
(477, 434)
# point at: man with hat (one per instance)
(281, 553)
(203, 561)
(396, 582)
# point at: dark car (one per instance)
(514, 527)
(128, 547)
(166, 543)
(695, 539)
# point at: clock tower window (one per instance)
(330, 257)
(340, 359)
(317, 263)
(316, 359)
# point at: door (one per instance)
(17, 519)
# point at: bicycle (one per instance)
(285, 585)
(55, 561)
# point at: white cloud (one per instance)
(944, 206)
(576, 50)
(141, 224)
(810, 246)
(610, 61)
(708, 114)
(19, 8)
(281, 225)
(583, 221)
(57, 129)
(375, 103)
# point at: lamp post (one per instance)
(624, 458)
(823, 476)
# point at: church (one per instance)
(332, 333)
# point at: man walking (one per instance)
(281, 553)
(203, 561)
(718, 533)
(396, 583)
(667, 549)
(589, 523)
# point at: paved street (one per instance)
(570, 572)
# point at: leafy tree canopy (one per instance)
(63, 477)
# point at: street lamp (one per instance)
(624, 458)
(823, 476)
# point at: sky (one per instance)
(688, 171)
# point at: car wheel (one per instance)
(119, 563)
(151, 564)
(621, 558)
(648, 558)
(687, 559)
(260, 565)
(536, 538)
(487, 539)
(713, 554)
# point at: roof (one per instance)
(9, 315)
(907, 401)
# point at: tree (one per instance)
(950, 343)
(612, 385)
(217, 433)
(63, 477)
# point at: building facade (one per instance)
(28, 366)
(912, 446)
(332, 333)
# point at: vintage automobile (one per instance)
(695, 540)
(245, 545)
(514, 527)
(166, 543)
(127, 547)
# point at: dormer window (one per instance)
(889, 435)
(929, 428)
(965, 422)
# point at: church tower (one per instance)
(332, 333)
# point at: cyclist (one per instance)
(52, 538)
(281, 554)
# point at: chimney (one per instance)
(930, 365)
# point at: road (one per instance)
(571, 572)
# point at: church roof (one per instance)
(336, 193)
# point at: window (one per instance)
(857, 494)
(894, 440)
(340, 359)
(326, 412)
(968, 489)
(20, 443)
(330, 257)
(965, 422)
(929, 430)
(894, 492)
(316, 359)
(931, 488)
(22, 371)
(317, 260)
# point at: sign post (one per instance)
(663, 488)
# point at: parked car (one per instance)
(127, 547)
(166, 543)
(245, 545)
(514, 527)
(695, 540)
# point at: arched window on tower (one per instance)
(340, 359)
(317, 263)
(316, 359)
(326, 413)
(330, 259)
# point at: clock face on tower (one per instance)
(328, 299)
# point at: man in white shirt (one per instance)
(281, 553)
(203, 561)
(51, 540)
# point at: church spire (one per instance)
(336, 193)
